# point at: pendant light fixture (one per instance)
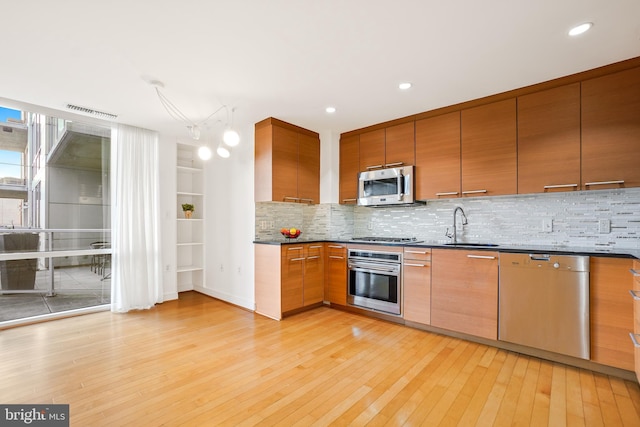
(230, 137)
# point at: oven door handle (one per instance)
(367, 268)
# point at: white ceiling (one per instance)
(292, 58)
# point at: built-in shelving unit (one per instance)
(190, 231)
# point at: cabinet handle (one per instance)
(349, 200)
(296, 259)
(634, 295)
(406, 264)
(621, 182)
(390, 165)
(450, 193)
(298, 248)
(315, 247)
(374, 167)
(313, 257)
(548, 187)
(481, 257)
(310, 201)
(634, 340)
(336, 257)
(285, 198)
(474, 192)
(634, 272)
(336, 247)
(416, 252)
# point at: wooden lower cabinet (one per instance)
(288, 277)
(636, 316)
(335, 273)
(416, 285)
(611, 315)
(464, 292)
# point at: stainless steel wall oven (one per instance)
(374, 280)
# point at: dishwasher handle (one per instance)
(540, 257)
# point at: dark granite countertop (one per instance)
(546, 249)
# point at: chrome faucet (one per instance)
(454, 235)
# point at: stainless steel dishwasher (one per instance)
(544, 302)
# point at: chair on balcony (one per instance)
(99, 262)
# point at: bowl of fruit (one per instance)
(290, 233)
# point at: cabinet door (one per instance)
(313, 274)
(349, 168)
(336, 273)
(611, 312)
(372, 150)
(308, 168)
(285, 164)
(464, 292)
(400, 145)
(549, 140)
(416, 280)
(438, 157)
(292, 277)
(489, 155)
(636, 315)
(611, 131)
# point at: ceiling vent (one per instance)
(96, 113)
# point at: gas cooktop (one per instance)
(386, 239)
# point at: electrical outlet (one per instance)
(370, 225)
(547, 225)
(604, 226)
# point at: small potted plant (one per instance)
(187, 208)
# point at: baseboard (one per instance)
(232, 299)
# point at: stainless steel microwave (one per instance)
(390, 186)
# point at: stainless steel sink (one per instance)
(476, 245)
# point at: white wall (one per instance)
(168, 240)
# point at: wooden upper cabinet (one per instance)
(372, 150)
(400, 145)
(287, 163)
(438, 157)
(349, 168)
(549, 140)
(489, 152)
(611, 131)
(308, 168)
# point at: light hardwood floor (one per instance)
(201, 362)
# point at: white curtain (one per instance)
(136, 280)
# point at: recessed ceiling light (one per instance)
(330, 109)
(404, 86)
(579, 29)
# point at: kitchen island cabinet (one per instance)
(464, 292)
(438, 157)
(287, 163)
(549, 140)
(489, 152)
(416, 285)
(288, 278)
(611, 314)
(611, 130)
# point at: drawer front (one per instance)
(290, 252)
(417, 254)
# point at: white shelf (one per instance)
(187, 268)
(188, 169)
(190, 250)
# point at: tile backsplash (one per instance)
(602, 218)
